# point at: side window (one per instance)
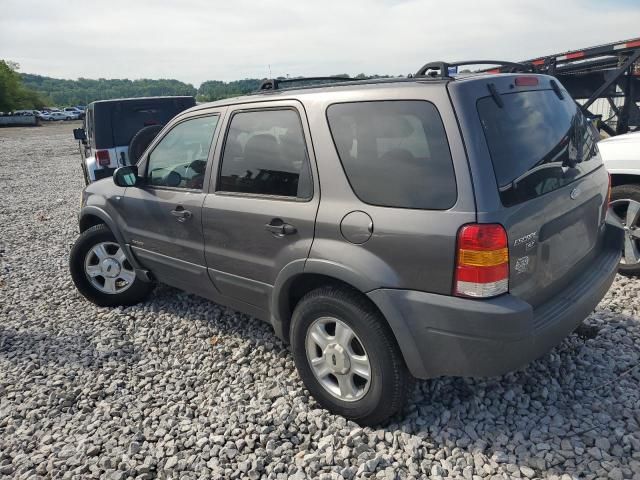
(180, 159)
(394, 153)
(265, 154)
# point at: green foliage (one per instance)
(83, 91)
(13, 94)
(216, 90)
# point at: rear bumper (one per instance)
(445, 335)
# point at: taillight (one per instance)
(526, 81)
(605, 205)
(482, 261)
(102, 156)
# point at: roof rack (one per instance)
(274, 83)
(441, 69)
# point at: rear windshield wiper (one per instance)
(514, 183)
(495, 95)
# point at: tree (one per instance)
(13, 94)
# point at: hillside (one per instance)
(82, 91)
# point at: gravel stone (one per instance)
(179, 387)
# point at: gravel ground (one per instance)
(179, 387)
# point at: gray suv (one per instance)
(388, 229)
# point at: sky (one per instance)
(199, 40)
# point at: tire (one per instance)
(141, 141)
(390, 383)
(620, 196)
(81, 258)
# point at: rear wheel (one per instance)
(101, 271)
(625, 205)
(347, 356)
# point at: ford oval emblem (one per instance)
(574, 193)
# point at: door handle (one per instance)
(280, 228)
(181, 214)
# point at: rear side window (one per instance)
(265, 154)
(538, 143)
(394, 153)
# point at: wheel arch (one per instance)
(299, 278)
(290, 291)
(618, 179)
(91, 215)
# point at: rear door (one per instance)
(261, 213)
(537, 171)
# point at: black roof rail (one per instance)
(274, 83)
(441, 69)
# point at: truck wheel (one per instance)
(347, 356)
(625, 204)
(141, 141)
(101, 271)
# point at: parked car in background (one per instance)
(25, 113)
(116, 132)
(42, 115)
(75, 112)
(61, 116)
(621, 156)
(387, 229)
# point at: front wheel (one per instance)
(625, 205)
(347, 356)
(101, 271)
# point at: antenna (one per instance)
(270, 76)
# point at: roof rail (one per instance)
(441, 69)
(274, 83)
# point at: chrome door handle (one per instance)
(181, 214)
(280, 228)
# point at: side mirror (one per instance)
(79, 134)
(126, 176)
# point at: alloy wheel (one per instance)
(628, 213)
(108, 269)
(338, 359)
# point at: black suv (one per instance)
(388, 229)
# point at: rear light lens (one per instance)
(102, 156)
(526, 81)
(482, 261)
(605, 205)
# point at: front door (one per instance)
(260, 214)
(163, 216)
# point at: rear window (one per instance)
(394, 153)
(538, 143)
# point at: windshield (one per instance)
(538, 143)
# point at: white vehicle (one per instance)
(621, 156)
(25, 113)
(77, 113)
(42, 115)
(62, 116)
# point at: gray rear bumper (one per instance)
(445, 335)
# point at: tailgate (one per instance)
(542, 179)
(551, 236)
